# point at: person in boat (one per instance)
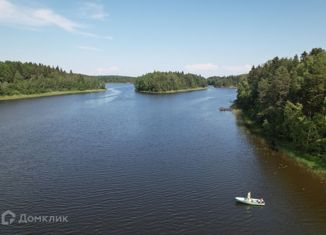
(249, 196)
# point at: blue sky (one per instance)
(138, 36)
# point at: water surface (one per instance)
(120, 162)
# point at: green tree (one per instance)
(286, 98)
(168, 81)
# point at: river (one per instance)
(120, 162)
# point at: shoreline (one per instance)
(46, 94)
(229, 87)
(302, 159)
(174, 91)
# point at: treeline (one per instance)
(17, 78)
(286, 99)
(115, 78)
(225, 81)
(169, 81)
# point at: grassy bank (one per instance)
(52, 93)
(174, 91)
(315, 164)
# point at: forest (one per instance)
(115, 78)
(161, 82)
(17, 78)
(231, 81)
(285, 98)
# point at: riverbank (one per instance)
(174, 91)
(53, 93)
(312, 163)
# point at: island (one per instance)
(169, 82)
(28, 80)
(284, 100)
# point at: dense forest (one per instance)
(169, 81)
(17, 78)
(285, 97)
(115, 78)
(225, 81)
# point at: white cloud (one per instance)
(93, 35)
(93, 10)
(33, 18)
(50, 17)
(107, 70)
(108, 37)
(210, 69)
(237, 69)
(201, 67)
(88, 48)
(30, 17)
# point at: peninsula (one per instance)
(29, 80)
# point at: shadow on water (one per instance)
(298, 189)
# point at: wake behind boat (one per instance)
(250, 201)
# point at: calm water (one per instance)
(125, 163)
